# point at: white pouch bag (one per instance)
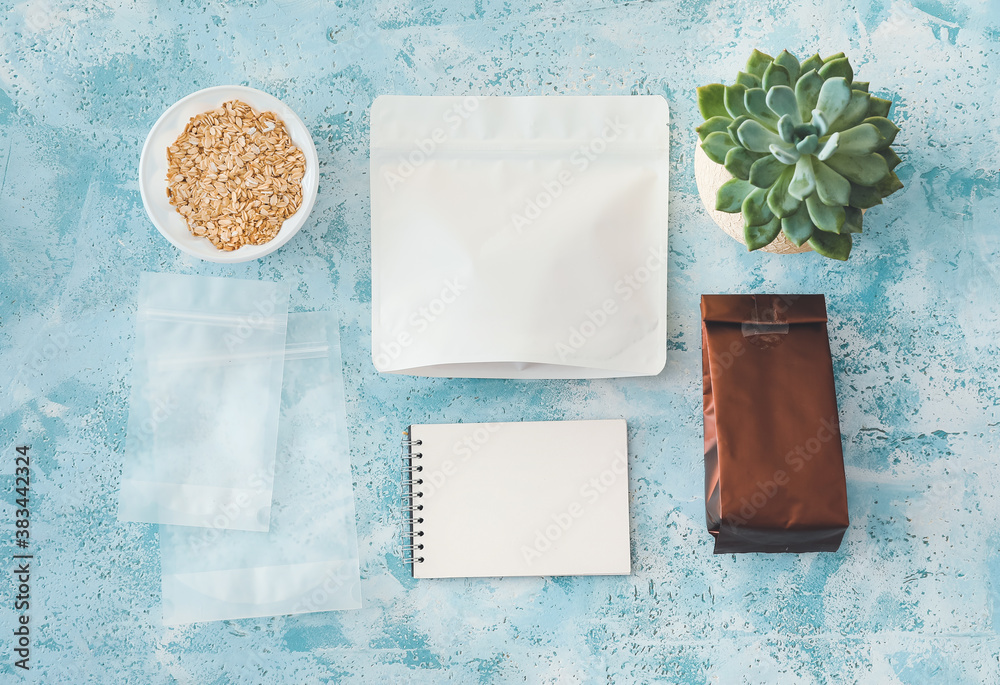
(519, 237)
(308, 560)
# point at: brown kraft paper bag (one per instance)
(774, 465)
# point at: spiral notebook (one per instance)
(544, 498)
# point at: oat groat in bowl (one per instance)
(229, 174)
(235, 175)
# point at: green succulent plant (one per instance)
(808, 148)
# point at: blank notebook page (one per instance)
(521, 499)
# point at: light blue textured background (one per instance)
(912, 597)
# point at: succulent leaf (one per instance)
(831, 245)
(765, 171)
(786, 129)
(739, 161)
(834, 97)
(890, 157)
(864, 197)
(889, 185)
(838, 55)
(807, 93)
(803, 180)
(734, 126)
(837, 68)
(829, 147)
(758, 236)
(825, 217)
(791, 65)
(820, 122)
(853, 114)
(833, 189)
(748, 80)
(798, 226)
(711, 100)
(877, 107)
(712, 125)
(716, 145)
(755, 209)
(733, 100)
(860, 140)
(754, 136)
(866, 170)
(756, 104)
(886, 129)
(806, 130)
(775, 75)
(807, 145)
(780, 201)
(860, 85)
(731, 195)
(784, 154)
(781, 100)
(758, 63)
(852, 224)
(810, 63)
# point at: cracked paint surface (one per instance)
(913, 596)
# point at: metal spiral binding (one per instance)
(409, 495)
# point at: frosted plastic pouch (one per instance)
(203, 413)
(308, 560)
(519, 237)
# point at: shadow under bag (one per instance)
(774, 466)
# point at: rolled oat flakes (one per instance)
(235, 175)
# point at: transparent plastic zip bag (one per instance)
(308, 560)
(203, 413)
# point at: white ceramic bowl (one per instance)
(153, 172)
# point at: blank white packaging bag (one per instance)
(308, 560)
(203, 412)
(519, 237)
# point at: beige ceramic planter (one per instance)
(710, 177)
